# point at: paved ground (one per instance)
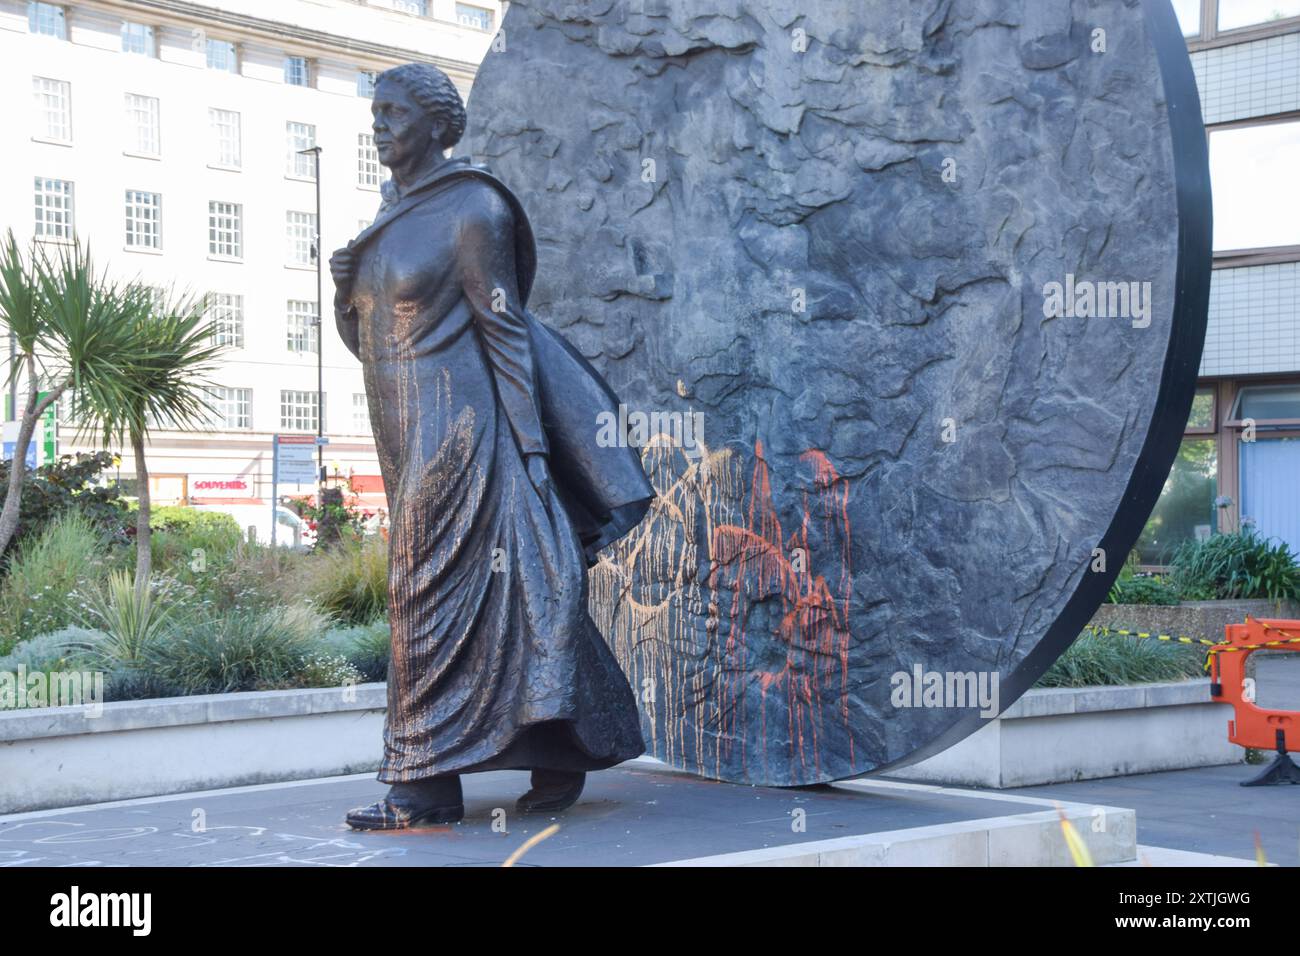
(1200, 810)
(627, 816)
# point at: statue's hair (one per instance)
(435, 93)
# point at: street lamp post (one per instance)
(318, 255)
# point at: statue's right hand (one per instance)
(342, 264)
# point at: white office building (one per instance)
(166, 135)
(1240, 458)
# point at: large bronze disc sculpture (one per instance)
(904, 302)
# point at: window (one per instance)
(225, 229)
(1267, 405)
(419, 7)
(475, 17)
(53, 101)
(143, 220)
(360, 414)
(53, 208)
(300, 231)
(298, 410)
(234, 406)
(1185, 510)
(367, 161)
(300, 136)
(366, 83)
(226, 311)
(304, 328)
(1256, 204)
(157, 298)
(47, 19)
(221, 56)
(295, 70)
(142, 124)
(1189, 16)
(1234, 14)
(137, 38)
(224, 126)
(1201, 421)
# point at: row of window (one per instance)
(55, 220)
(226, 317)
(1225, 15)
(299, 410)
(50, 19)
(52, 99)
(466, 14)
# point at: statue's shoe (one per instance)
(407, 805)
(552, 791)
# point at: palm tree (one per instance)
(68, 327)
(162, 385)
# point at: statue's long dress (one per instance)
(496, 663)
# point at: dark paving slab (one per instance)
(1204, 810)
(627, 817)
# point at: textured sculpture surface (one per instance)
(858, 243)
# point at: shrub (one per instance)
(193, 520)
(367, 647)
(66, 485)
(1104, 660)
(191, 544)
(1241, 565)
(250, 576)
(1142, 590)
(57, 650)
(324, 670)
(128, 624)
(45, 573)
(239, 651)
(350, 580)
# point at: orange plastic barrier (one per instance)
(1255, 726)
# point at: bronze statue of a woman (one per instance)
(500, 494)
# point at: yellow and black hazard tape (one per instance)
(1215, 647)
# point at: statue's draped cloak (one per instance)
(496, 663)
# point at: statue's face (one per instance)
(403, 130)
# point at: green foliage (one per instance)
(89, 338)
(1241, 565)
(40, 592)
(324, 670)
(68, 484)
(96, 332)
(367, 647)
(241, 651)
(129, 621)
(1142, 590)
(251, 576)
(349, 581)
(193, 521)
(192, 544)
(55, 651)
(1108, 660)
(161, 378)
(21, 308)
